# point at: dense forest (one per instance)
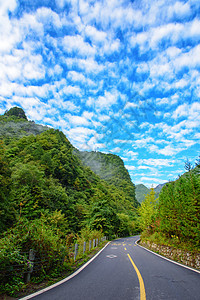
(174, 219)
(110, 168)
(48, 195)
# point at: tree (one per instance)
(147, 210)
(103, 217)
(188, 165)
(6, 212)
(17, 112)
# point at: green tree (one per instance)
(103, 217)
(17, 112)
(6, 210)
(147, 211)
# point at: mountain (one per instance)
(14, 125)
(110, 168)
(41, 173)
(159, 187)
(141, 191)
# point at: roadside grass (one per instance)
(56, 275)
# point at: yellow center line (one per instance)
(142, 288)
(124, 248)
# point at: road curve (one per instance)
(124, 270)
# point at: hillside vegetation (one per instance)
(48, 196)
(14, 125)
(110, 168)
(141, 191)
(43, 172)
(175, 218)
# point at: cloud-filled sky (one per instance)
(117, 76)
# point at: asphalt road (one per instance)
(124, 270)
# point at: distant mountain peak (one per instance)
(17, 112)
(141, 191)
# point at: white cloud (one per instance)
(48, 17)
(131, 154)
(88, 115)
(190, 59)
(33, 68)
(191, 111)
(194, 112)
(130, 168)
(79, 135)
(141, 143)
(71, 90)
(170, 150)
(107, 100)
(130, 105)
(76, 76)
(88, 65)
(118, 141)
(173, 52)
(194, 29)
(79, 77)
(150, 181)
(182, 110)
(179, 9)
(29, 24)
(112, 46)
(116, 150)
(77, 120)
(157, 162)
(171, 33)
(97, 36)
(8, 6)
(157, 70)
(197, 135)
(182, 83)
(162, 101)
(142, 68)
(76, 44)
(56, 70)
(9, 33)
(69, 105)
(145, 168)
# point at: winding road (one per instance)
(124, 270)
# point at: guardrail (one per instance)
(34, 262)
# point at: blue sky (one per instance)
(116, 76)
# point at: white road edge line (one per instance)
(170, 260)
(64, 280)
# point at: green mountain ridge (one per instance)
(41, 172)
(15, 125)
(110, 168)
(141, 191)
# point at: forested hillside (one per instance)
(14, 125)
(175, 218)
(110, 168)
(48, 196)
(141, 191)
(41, 174)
